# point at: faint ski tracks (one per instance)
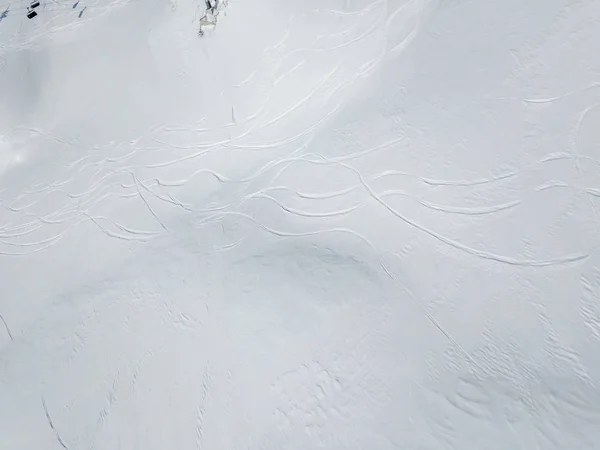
(457, 245)
(58, 438)
(100, 184)
(21, 230)
(7, 329)
(477, 253)
(200, 409)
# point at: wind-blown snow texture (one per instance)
(334, 224)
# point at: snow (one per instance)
(334, 224)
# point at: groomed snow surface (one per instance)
(336, 224)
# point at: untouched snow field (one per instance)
(337, 224)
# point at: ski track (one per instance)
(101, 188)
(104, 187)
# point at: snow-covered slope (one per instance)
(334, 224)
